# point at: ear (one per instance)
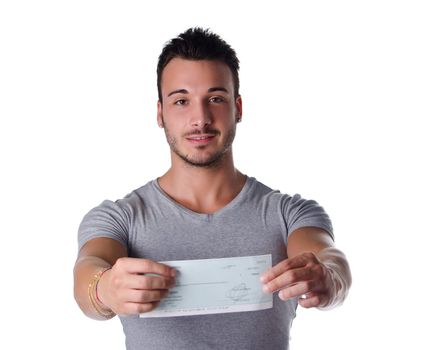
(159, 114)
(238, 109)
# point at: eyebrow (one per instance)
(212, 89)
(180, 91)
(217, 88)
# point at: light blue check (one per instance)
(222, 285)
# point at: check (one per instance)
(210, 286)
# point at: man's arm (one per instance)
(315, 270)
(94, 256)
(123, 288)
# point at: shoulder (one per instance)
(294, 211)
(135, 199)
(113, 219)
(285, 199)
(266, 193)
(123, 208)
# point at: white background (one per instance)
(333, 92)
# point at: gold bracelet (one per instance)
(104, 313)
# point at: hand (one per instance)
(302, 276)
(127, 290)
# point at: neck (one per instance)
(203, 189)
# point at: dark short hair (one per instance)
(199, 44)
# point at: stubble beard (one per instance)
(213, 160)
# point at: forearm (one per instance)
(339, 275)
(84, 271)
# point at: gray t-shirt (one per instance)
(257, 221)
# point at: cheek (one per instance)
(173, 125)
(174, 116)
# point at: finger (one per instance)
(150, 282)
(282, 267)
(136, 265)
(296, 290)
(145, 296)
(287, 279)
(312, 300)
(138, 308)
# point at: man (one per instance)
(201, 208)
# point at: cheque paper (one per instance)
(210, 286)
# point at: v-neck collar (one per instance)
(203, 216)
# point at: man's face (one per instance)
(199, 110)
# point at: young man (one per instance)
(203, 208)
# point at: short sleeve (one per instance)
(106, 220)
(298, 212)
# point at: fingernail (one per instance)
(263, 278)
(265, 288)
(173, 273)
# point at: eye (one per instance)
(180, 102)
(217, 99)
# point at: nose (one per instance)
(201, 116)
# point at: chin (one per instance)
(203, 162)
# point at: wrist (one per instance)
(338, 276)
(100, 288)
(335, 287)
(102, 311)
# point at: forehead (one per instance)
(194, 75)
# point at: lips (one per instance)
(201, 139)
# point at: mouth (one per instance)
(201, 138)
